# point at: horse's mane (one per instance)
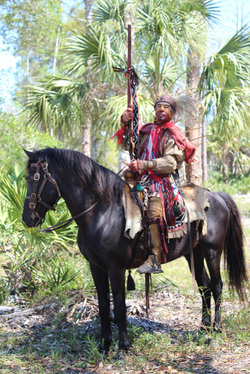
(97, 180)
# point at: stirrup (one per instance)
(150, 267)
(155, 267)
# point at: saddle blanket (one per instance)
(195, 202)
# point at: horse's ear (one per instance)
(29, 154)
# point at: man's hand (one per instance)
(137, 166)
(127, 116)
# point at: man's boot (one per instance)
(153, 263)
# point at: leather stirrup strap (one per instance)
(147, 292)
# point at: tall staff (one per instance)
(130, 124)
(133, 131)
(133, 81)
(129, 63)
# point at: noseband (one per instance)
(35, 197)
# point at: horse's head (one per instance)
(42, 190)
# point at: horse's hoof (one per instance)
(103, 350)
(217, 328)
(100, 348)
(206, 327)
(120, 355)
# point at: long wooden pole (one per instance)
(129, 62)
(129, 93)
(147, 293)
(131, 149)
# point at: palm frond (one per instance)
(106, 10)
(52, 108)
(172, 25)
(96, 48)
(228, 109)
(238, 43)
(158, 76)
(208, 9)
(13, 191)
(230, 66)
(117, 105)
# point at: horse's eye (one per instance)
(28, 178)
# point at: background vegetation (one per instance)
(68, 88)
(67, 95)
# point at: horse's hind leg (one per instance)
(204, 285)
(117, 279)
(213, 263)
(102, 286)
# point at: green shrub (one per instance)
(57, 271)
(234, 185)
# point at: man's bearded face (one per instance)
(163, 112)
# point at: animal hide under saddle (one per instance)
(195, 202)
(132, 215)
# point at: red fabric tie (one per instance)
(119, 135)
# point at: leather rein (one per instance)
(35, 197)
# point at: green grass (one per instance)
(62, 344)
(67, 345)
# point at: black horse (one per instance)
(93, 195)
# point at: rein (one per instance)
(35, 198)
(67, 221)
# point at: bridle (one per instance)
(35, 197)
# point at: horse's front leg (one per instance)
(117, 279)
(102, 286)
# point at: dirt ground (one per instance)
(171, 312)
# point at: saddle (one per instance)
(195, 201)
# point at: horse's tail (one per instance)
(233, 250)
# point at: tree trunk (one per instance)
(28, 80)
(86, 137)
(88, 10)
(86, 134)
(193, 130)
(204, 150)
(228, 161)
(56, 49)
(211, 165)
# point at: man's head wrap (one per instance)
(167, 99)
(184, 107)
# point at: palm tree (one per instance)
(74, 99)
(224, 88)
(167, 38)
(93, 54)
(54, 105)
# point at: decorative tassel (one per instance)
(130, 282)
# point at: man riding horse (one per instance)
(95, 197)
(162, 150)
